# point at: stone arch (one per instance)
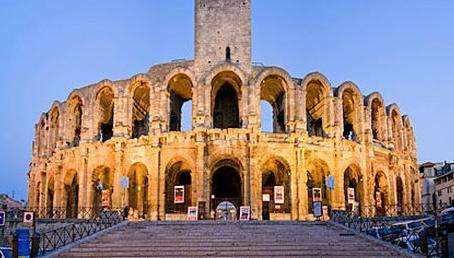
(317, 92)
(352, 178)
(226, 182)
(140, 109)
(105, 104)
(351, 101)
(50, 196)
(317, 170)
(276, 172)
(42, 135)
(180, 86)
(71, 193)
(225, 100)
(138, 190)
(381, 193)
(178, 173)
(409, 135)
(208, 78)
(400, 194)
(74, 123)
(102, 183)
(376, 108)
(396, 125)
(274, 84)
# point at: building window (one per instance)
(227, 54)
(449, 189)
(439, 192)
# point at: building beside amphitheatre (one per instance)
(114, 144)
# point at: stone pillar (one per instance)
(153, 184)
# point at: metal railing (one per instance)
(392, 226)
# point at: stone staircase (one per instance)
(230, 239)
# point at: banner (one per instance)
(317, 206)
(350, 195)
(193, 213)
(279, 195)
(178, 194)
(316, 194)
(105, 194)
(245, 212)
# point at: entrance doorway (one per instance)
(226, 191)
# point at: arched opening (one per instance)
(41, 138)
(75, 121)
(350, 114)
(226, 184)
(316, 106)
(317, 171)
(272, 90)
(138, 190)
(50, 197)
(225, 98)
(178, 188)
(228, 57)
(410, 141)
(102, 183)
(54, 128)
(105, 113)
(381, 194)
(352, 180)
(140, 110)
(399, 194)
(396, 127)
(377, 114)
(275, 175)
(72, 194)
(266, 115)
(180, 90)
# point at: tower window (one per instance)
(227, 54)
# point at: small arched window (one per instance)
(227, 54)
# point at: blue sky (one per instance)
(48, 48)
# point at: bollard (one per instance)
(423, 242)
(35, 246)
(444, 244)
(14, 246)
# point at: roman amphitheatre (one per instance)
(116, 144)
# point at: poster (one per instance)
(316, 194)
(350, 195)
(317, 206)
(105, 198)
(266, 197)
(378, 199)
(193, 213)
(178, 194)
(245, 212)
(325, 212)
(279, 195)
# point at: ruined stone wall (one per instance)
(57, 162)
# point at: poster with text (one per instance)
(350, 195)
(105, 196)
(193, 213)
(279, 195)
(316, 194)
(178, 195)
(245, 212)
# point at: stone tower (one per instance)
(222, 33)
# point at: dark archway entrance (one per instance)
(226, 186)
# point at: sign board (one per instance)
(178, 194)
(2, 218)
(317, 206)
(28, 217)
(245, 212)
(316, 194)
(23, 242)
(193, 213)
(329, 182)
(124, 182)
(350, 195)
(105, 198)
(266, 197)
(279, 195)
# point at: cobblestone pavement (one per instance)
(230, 239)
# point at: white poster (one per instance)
(316, 194)
(178, 194)
(245, 212)
(279, 195)
(350, 195)
(266, 197)
(193, 213)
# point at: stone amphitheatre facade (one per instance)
(131, 128)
